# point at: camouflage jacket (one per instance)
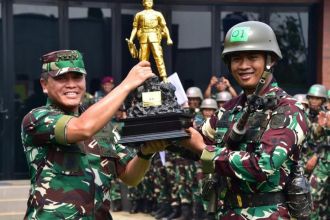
(316, 135)
(68, 181)
(262, 161)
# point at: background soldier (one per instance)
(221, 84)
(107, 135)
(222, 97)
(150, 27)
(255, 164)
(302, 98)
(107, 84)
(70, 171)
(208, 107)
(316, 96)
(319, 179)
(317, 154)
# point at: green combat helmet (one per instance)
(317, 90)
(62, 61)
(194, 92)
(209, 103)
(250, 36)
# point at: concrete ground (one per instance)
(14, 194)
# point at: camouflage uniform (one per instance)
(68, 181)
(141, 194)
(107, 135)
(262, 161)
(160, 179)
(319, 178)
(320, 186)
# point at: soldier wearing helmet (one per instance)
(256, 162)
(208, 107)
(195, 98)
(302, 98)
(70, 171)
(317, 97)
(316, 156)
(222, 97)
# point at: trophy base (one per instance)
(156, 127)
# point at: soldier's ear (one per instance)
(43, 83)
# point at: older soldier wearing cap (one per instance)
(254, 163)
(70, 172)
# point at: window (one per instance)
(191, 34)
(90, 33)
(35, 33)
(291, 29)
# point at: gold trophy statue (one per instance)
(150, 27)
(154, 113)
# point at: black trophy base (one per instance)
(157, 127)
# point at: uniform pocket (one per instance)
(70, 162)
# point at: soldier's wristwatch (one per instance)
(144, 156)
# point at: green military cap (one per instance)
(62, 61)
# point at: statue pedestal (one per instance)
(165, 120)
(158, 127)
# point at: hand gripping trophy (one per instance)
(155, 113)
(150, 27)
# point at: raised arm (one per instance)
(96, 116)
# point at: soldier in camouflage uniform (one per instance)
(70, 171)
(316, 97)
(107, 135)
(318, 163)
(255, 169)
(222, 97)
(107, 84)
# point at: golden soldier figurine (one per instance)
(150, 26)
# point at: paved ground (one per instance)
(128, 216)
(14, 193)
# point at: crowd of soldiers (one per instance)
(241, 160)
(172, 187)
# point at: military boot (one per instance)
(147, 206)
(116, 205)
(186, 212)
(156, 210)
(176, 212)
(199, 212)
(166, 209)
(134, 207)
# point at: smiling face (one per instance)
(194, 102)
(107, 87)
(247, 68)
(315, 102)
(208, 112)
(66, 90)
